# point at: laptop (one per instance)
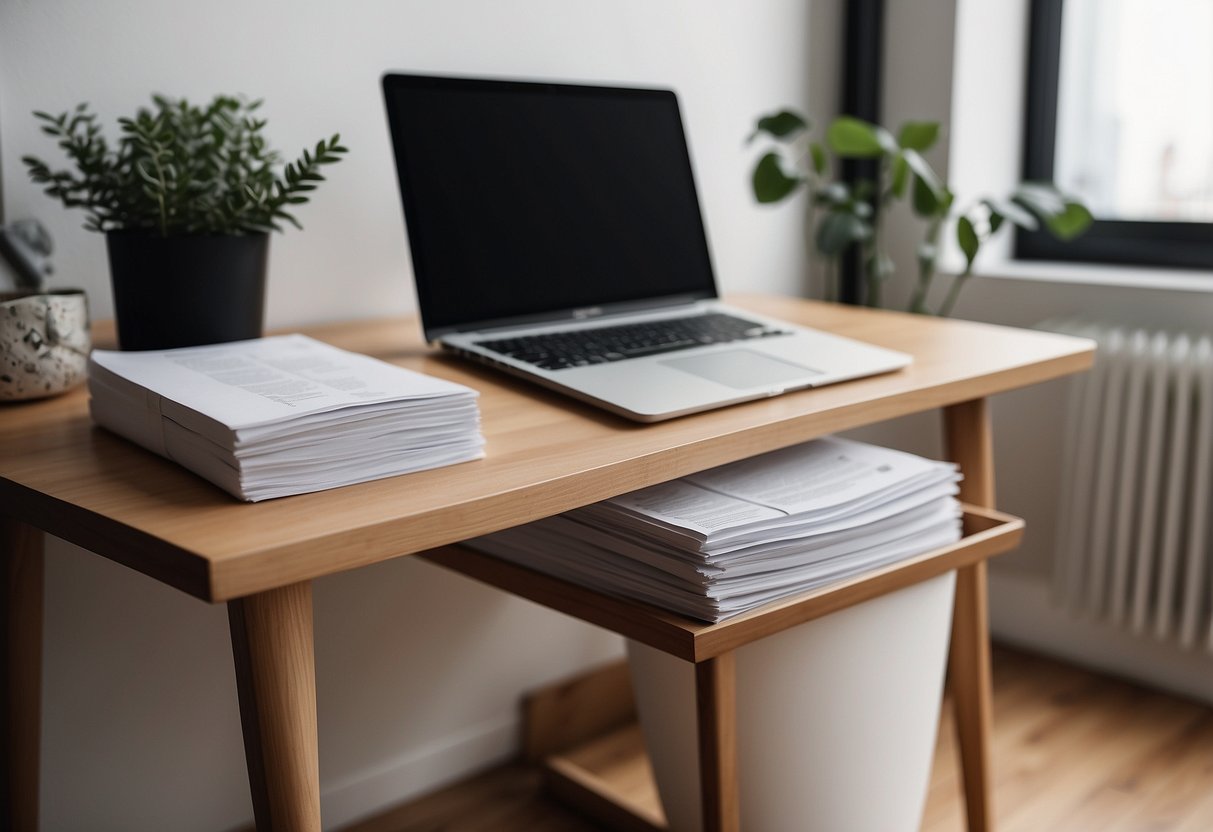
(556, 234)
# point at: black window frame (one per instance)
(1186, 245)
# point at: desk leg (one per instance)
(970, 443)
(276, 680)
(716, 706)
(21, 686)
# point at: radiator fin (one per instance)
(1133, 538)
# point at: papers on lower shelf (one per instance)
(283, 415)
(724, 541)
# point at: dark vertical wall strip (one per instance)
(862, 73)
(1040, 104)
(1, 180)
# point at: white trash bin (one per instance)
(836, 718)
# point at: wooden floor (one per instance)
(1076, 751)
(1073, 751)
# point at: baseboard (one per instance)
(1022, 613)
(422, 770)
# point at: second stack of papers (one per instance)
(730, 539)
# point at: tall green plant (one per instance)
(178, 168)
(842, 215)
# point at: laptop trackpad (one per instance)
(742, 369)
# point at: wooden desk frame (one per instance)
(711, 647)
(267, 585)
(275, 663)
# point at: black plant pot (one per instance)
(187, 290)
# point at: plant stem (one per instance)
(926, 269)
(945, 309)
(926, 274)
(871, 266)
(160, 193)
(811, 256)
(873, 256)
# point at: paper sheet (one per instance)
(247, 384)
(816, 481)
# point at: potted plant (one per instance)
(186, 198)
(842, 214)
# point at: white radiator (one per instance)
(1134, 544)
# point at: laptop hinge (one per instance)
(581, 315)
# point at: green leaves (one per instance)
(1041, 199)
(924, 200)
(1073, 220)
(853, 138)
(852, 213)
(818, 154)
(857, 139)
(299, 175)
(900, 176)
(770, 182)
(966, 238)
(918, 135)
(838, 230)
(1064, 217)
(930, 197)
(772, 179)
(781, 125)
(1001, 209)
(178, 168)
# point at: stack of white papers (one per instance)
(716, 544)
(283, 415)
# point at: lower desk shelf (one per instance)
(986, 533)
(571, 774)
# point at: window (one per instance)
(1120, 114)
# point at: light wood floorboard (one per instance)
(1072, 750)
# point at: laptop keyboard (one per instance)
(578, 348)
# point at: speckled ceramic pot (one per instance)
(44, 343)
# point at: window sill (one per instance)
(1099, 274)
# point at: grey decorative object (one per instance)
(44, 343)
(26, 247)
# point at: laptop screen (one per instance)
(527, 200)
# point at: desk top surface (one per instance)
(545, 454)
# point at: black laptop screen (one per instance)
(526, 199)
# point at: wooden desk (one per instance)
(546, 454)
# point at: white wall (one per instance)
(318, 64)
(418, 671)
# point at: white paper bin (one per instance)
(836, 718)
